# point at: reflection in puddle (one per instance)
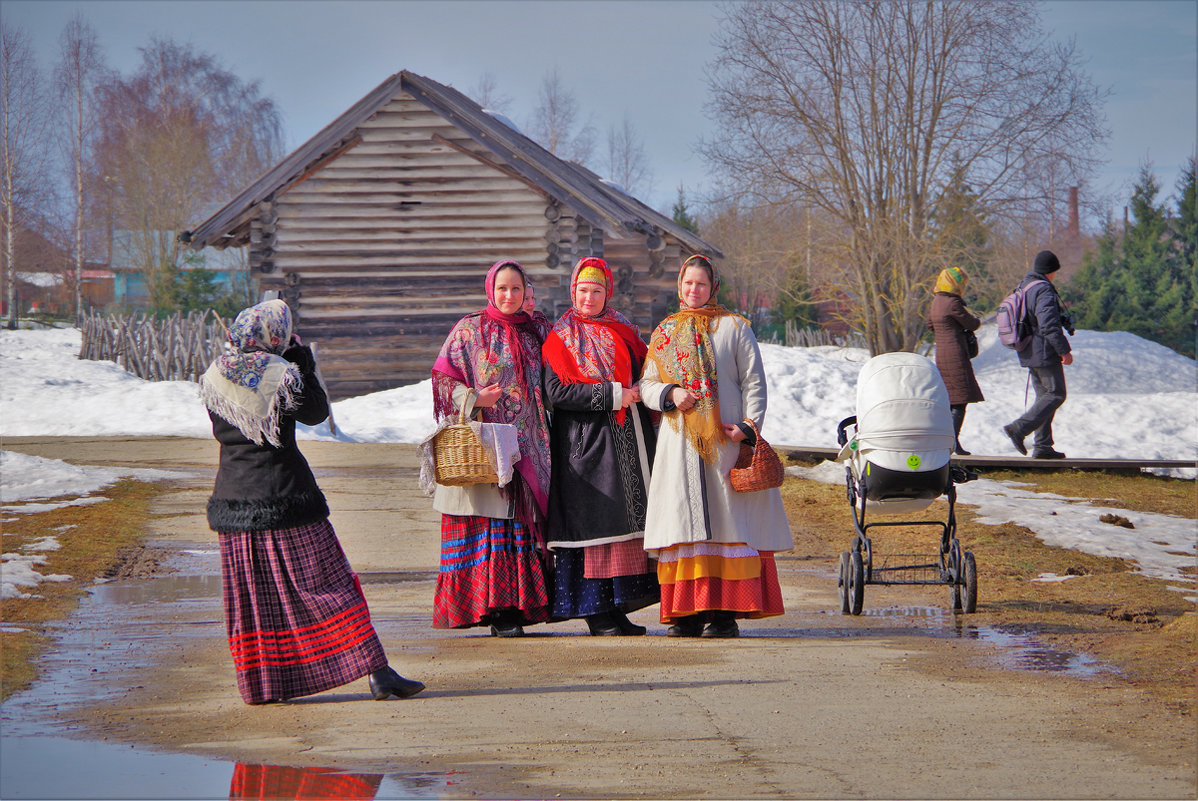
(279, 781)
(1019, 650)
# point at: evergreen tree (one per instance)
(1139, 279)
(682, 214)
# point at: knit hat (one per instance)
(1046, 262)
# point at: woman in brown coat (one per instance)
(949, 320)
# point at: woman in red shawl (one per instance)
(492, 538)
(602, 445)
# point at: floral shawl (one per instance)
(587, 350)
(681, 349)
(488, 347)
(251, 383)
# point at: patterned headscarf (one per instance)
(490, 347)
(251, 383)
(681, 348)
(952, 281)
(605, 347)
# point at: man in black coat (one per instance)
(1044, 357)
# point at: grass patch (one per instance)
(94, 542)
(1139, 493)
(1120, 617)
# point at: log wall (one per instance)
(384, 245)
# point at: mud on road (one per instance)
(907, 702)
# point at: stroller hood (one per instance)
(903, 417)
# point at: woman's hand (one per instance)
(488, 396)
(734, 432)
(630, 395)
(683, 398)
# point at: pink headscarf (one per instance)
(490, 347)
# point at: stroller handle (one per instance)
(841, 436)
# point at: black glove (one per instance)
(301, 356)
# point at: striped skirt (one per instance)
(706, 576)
(488, 565)
(295, 613)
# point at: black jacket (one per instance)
(1049, 342)
(260, 486)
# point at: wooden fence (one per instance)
(177, 348)
(796, 337)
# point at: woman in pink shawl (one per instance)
(493, 569)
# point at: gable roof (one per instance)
(602, 205)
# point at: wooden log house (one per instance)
(378, 230)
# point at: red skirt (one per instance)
(488, 565)
(709, 576)
(295, 614)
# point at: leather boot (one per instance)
(386, 683)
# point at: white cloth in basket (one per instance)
(499, 442)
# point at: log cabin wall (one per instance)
(381, 249)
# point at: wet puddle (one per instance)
(113, 630)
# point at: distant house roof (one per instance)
(601, 204)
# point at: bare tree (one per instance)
(23, 120)
(178, 138)
(626, 161)
(488, 95)
(79, 69)
(555, 123)
(866, 111)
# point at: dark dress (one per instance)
(597, 500)
(949, 320)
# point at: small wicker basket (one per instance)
(459, 457)
(757, 468)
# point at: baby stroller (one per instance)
(897, 462)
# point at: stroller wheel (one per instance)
(856, 591)
(969, 591)
(843, 582)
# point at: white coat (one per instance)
(692, 501)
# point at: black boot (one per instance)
(506, 623)
(627, 627)
(722, 625)
(689, 626)
(603, 625)
(386, 683)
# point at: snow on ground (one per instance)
(1128, 398)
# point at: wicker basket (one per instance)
(459, 457)
(757, 467)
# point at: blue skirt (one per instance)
(574, 595)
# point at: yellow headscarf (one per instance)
(681, 347)
(952, 281)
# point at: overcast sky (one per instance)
(640, 58)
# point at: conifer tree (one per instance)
(1141, 279)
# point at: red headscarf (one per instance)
(605, 347)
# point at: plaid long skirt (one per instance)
(295, 613)
(488, 565)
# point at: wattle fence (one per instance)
(177, 348)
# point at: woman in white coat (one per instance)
(714, 546)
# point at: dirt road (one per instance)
(908, 702)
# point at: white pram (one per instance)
(897, 461)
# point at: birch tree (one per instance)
(23, 122)
(555, 124)
(867, 111)
(627, 164)
(80, 66)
